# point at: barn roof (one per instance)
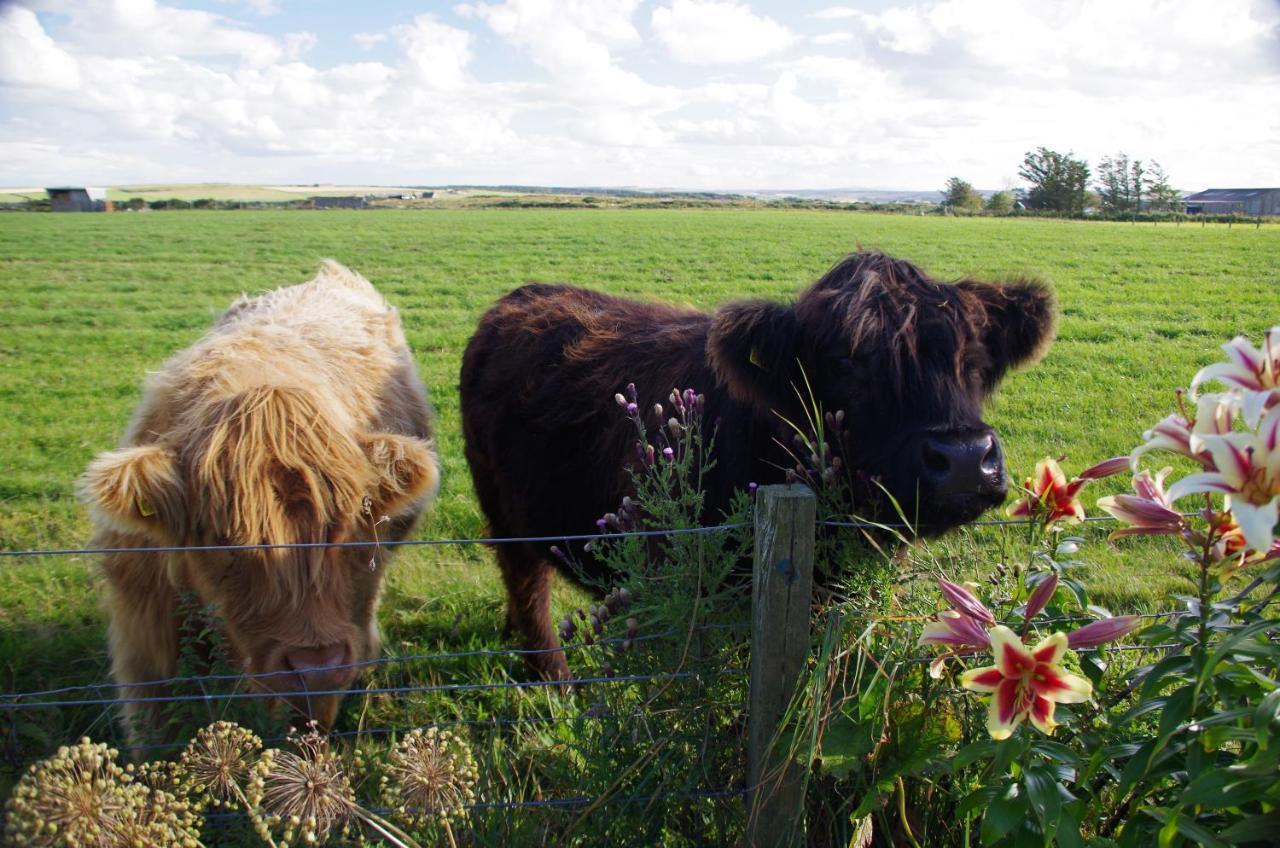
(1228, 194)
(94, 193)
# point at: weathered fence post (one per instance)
(780, 596)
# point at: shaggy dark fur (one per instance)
(908, 359)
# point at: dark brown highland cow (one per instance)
(908, 359)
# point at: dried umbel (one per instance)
(217, 762)
(82, 797)
(306, 795)
(432, 776)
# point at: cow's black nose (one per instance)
(962, 464)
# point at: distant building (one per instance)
(1243, 201)
(344, 202)
(78, 199)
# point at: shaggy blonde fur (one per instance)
(298, 418)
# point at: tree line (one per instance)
(1060, 183)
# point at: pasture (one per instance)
(90, 303)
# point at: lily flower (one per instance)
(1050, 495)
(1149, 512)
(965, 602)
(1040, 597)
(1103, 630)
(1247, 367)
(956, 631)
(1025, 684)
(1246, 468)
(1215, 415)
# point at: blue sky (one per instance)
(698, 94)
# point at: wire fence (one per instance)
(101, 697)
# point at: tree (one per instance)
(1113, 183)
(1058, 180)
(961, 195)
(1161, 196)
(1001, 202)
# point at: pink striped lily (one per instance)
(1148, 512)
(1103, 630)
(1246, 468)
(1025, 683)
(960, 628)
(1246, 367)
(1215, 416)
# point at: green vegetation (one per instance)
(90, 303)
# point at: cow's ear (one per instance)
(753, 347)
(406, 469)
(1020, 322)
(136, 490)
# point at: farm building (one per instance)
(78, 199)
(1225, 201)
(344, 202)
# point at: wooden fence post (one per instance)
(781, 589)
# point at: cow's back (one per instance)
(546, 442)
(334, 335)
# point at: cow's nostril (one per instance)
(992, 458)
(935, 459)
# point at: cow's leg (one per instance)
(143, 634)
(528, 580)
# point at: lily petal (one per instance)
(1257, 523)
(1208, 481)
(1042, 715)
(1050, 681)
(1012, 657)
(985, 679)
(1051, 649)
(1006, 711)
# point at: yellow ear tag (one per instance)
(754, 358)
(145, 508)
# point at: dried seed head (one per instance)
(433, 776)
(81, 797)
(307, 792)
(218, 760)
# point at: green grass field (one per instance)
(90, 303)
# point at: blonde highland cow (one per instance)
(298, 418)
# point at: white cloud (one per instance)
(707, 32)
(135, 90)
(29, 57)
(835, 13)
(438, 54)
(367, 40)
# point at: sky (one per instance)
(685, 94)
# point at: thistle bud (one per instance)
(657, 411)
(631, 390)
(632, 409)
(620, 400)
(668, 454)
